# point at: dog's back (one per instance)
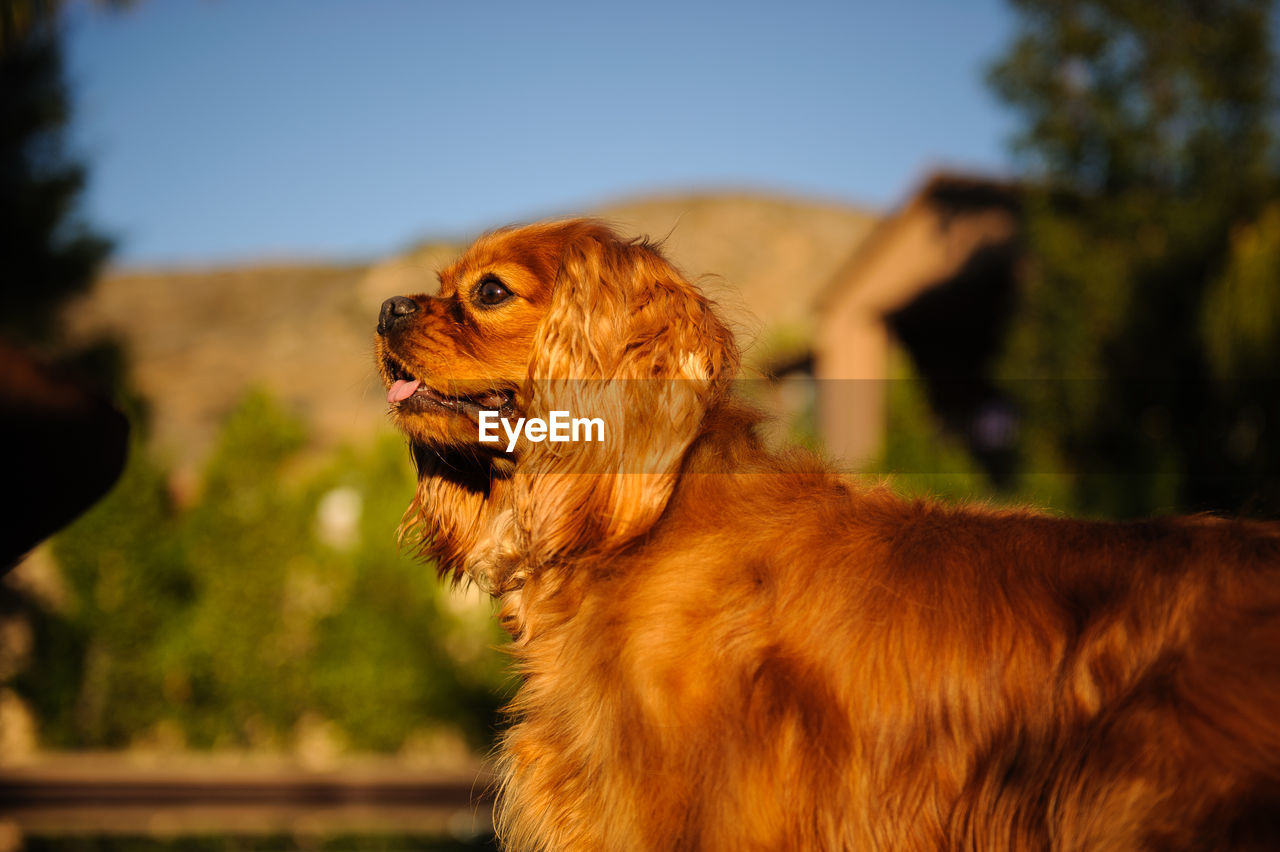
(788, 662)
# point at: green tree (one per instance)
(95, 679)
(49, 253)
(1144, 352)
(229, 621)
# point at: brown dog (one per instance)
(724, 648)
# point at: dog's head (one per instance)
(558, 317)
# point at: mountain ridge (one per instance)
(201, 337)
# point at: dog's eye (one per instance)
(492, 292)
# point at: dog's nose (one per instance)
(393, 311)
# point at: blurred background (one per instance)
(1018, 252)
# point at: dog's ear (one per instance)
(628, 341)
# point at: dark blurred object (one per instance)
(18, 18)
(62, 446)
(940, 276)
(47, 253)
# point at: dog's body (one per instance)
(724, 648)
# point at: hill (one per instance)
(199, 339)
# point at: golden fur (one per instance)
(724, 648)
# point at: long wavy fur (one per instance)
(727, 648)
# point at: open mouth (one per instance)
(408, 393)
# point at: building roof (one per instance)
(944, 195)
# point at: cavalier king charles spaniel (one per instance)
(722, 647)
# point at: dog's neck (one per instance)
(726, 447)
(452, 518)
(729, 441)
(469, 519)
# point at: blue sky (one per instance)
(224, 130)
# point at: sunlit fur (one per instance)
(728, 649)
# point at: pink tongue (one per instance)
(402, 390)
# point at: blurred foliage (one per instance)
(20, 18)
(49, 253)
(1241, 317)
(921, 457)
(924, 457)
(1118, 95)
(275, 603)
(1144, 355)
